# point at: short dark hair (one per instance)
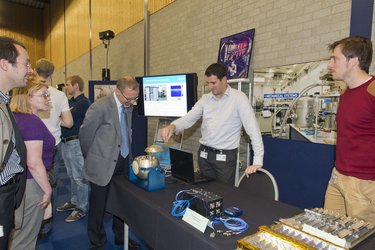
(8, 50)
(75, 79)
(128, 82)
(355, 46)
(216, 69)
(44, 68)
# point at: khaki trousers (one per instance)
(31, 215)
(351, 196)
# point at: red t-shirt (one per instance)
(355, 148)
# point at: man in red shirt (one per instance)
(351, 189)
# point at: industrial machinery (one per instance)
(310, 114)
(304, 112)
(145, 170)
(313, 229)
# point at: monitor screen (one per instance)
(167, 95)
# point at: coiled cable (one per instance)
(234, 224)
(179, 206)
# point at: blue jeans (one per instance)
(56, 164)
(73, 159)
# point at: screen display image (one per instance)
(167, 95)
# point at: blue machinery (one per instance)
(155, 179)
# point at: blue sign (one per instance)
(281, 95)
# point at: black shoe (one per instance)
(45, 228)
(42, 235)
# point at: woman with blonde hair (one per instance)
(26, 104)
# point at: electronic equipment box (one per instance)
(204, 202)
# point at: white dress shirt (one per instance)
(222, 122)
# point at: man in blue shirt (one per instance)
(71, 151)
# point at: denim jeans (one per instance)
(57, 162)
(73, 159)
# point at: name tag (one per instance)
(203, 154)
(221, 157)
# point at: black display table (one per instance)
(148, 215)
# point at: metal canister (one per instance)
(305, 111)
(331, 107)
(330, 122)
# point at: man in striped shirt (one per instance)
(15, 68)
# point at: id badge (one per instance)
(203, 154)
(221, 157)
(333, 178)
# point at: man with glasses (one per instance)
(105, 138)
(71, 151)
(14, 70)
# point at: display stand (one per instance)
(175, 141)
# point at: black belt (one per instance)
(69, 138)
(212, 149)
(217, 150)
(11, 181)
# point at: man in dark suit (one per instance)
(15, 67)
(106, 149)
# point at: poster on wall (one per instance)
(99, 89)
(235, 53)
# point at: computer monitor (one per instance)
(167, 95)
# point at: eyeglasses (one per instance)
(45, 95)
(128, 99)
(26, 64)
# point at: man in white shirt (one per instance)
(224, 111)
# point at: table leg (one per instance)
(126, 236)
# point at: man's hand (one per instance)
(251, 169)
(167, 132)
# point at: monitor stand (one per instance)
(174, 142)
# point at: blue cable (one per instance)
(215, 220)
(234, 224)
(179, 206)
